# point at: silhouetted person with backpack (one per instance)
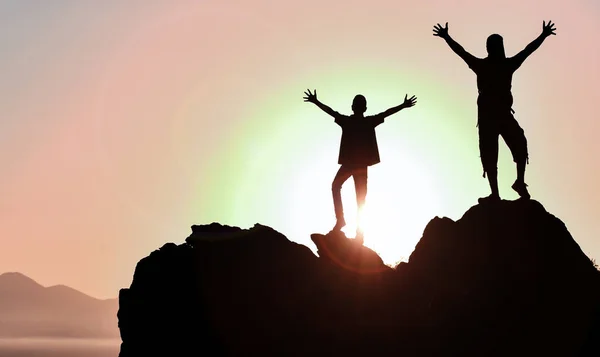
(495, 113)
(358, 150)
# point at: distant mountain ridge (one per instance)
(29, 309)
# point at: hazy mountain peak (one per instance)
(28, 309)
(17, 281)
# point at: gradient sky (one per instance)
(124, 123)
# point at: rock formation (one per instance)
(507, 279)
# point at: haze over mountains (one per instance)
(28, 309)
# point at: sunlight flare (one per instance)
(397, 209)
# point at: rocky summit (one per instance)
(507, 279)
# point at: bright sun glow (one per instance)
(400, 202)
(287, 174)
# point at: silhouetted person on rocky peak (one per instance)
(495, 113)
(358, 150)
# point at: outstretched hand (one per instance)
(548, 29)
(440, 31)
(409, 102)
(310, 97)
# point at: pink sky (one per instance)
(123, 123)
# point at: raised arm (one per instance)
(547, 30)
(442, 32)
(408, 102)
(312, 98)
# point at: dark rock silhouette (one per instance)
(505, 279)
(350, 254)
(28, 309)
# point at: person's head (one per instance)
(359, 104)
(495, 46)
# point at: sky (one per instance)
(123, 123)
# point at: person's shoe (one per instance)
(490, 198)
(341, 223)
(521, 189)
